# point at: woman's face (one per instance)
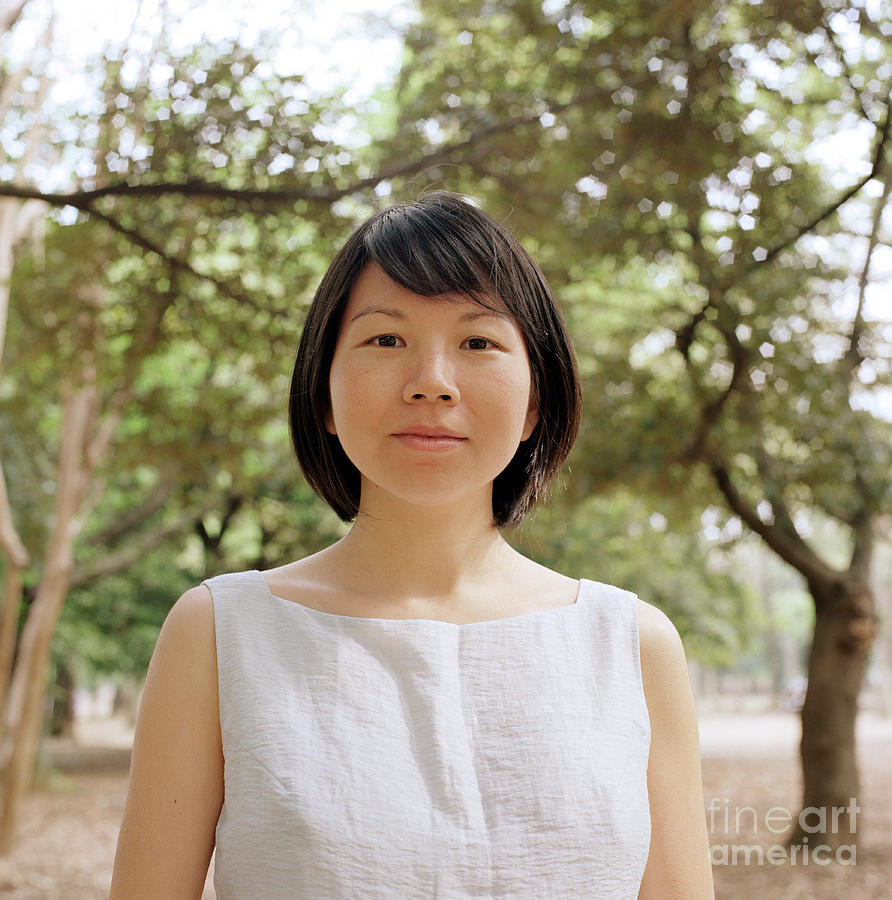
(430, 397)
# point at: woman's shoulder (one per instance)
(664, 671)
(192, 613)
(195, 598)
(658, 638)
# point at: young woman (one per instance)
(418, 711)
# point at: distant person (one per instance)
(418, 711)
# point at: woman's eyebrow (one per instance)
(371, 310)
(473, 315)
(470, 316)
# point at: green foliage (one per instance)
(660, 159)
(621, 539)
(195, 368)
(656, 159)
(110, 627)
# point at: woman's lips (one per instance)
(429, 441)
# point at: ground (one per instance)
(66, 845)
(751, 762)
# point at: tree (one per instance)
(660, 156)
(656, 153)
(140, 343)
(152, 311)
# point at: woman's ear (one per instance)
(328, 421)
(532, 419)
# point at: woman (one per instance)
(418, 710)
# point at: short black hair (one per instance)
(437, 245)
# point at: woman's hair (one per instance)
(440, 245)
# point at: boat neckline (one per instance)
(386, 621)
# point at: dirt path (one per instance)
(750, 766)
(66, 848)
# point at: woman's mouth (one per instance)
(429, 438)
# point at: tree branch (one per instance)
(844, 64)
(135, 516)
(10, 13)
(10, 540)
(863, 531)
(684, 336)
(853, 355)
(790, 548)
(810, 226)
(711, 410)
(86, 200)
(128, 556)
(774, 486)
(234, 503)
(196, 187)
(177, 263)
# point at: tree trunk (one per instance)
(29, 686)
(845, 625)
(9, 620)
(62, 717)
(13, 582)
(15, 222)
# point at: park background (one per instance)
(706, 184)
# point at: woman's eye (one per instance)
(385, 340)
(478, 343)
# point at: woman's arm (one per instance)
(678, 864)
(176, 775)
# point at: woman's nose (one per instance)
(431, 379)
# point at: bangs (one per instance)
(424, 251)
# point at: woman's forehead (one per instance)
(375, 291)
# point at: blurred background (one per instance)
(707, 186)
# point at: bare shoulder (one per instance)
(187, 640)
(183, 669)
(181, 685)
(659, 642)
(193, 612)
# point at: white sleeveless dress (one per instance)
(413, 758)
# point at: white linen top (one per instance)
(414, 758)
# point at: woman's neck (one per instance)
(429, 554)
